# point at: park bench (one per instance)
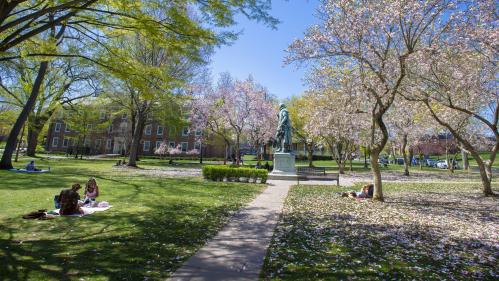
(316, 173)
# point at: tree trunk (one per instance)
(20, 142)
(485, 174)
(10, 146)
(339, 157)
(411, 156)
(238, 156)
(310, 154)
(378, 192)
(404, 153)
(77, 148)
(32, 141)
(466, 162)
(226, 153)
(421, 161)
(351, 166)
(137, 136)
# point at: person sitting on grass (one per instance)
(91, 191)
(366, 192)
(69, 201)
(31, 167)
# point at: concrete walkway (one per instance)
(238, 250)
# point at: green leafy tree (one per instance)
(84, 119)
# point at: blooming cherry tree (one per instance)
(456, 79)
(375, 38)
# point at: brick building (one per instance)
(116, 138)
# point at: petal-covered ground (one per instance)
(422, 232)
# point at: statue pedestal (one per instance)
(284, 167)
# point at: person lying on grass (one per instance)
(366, 192)
(69, 201)
(91, 191)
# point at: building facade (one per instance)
(116, 138)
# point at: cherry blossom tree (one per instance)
(162, 150)
(408, 122)
(205, 109)
(456, 79)
(262, 119)
(376, 37)
(337, 120)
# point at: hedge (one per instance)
(221, 172)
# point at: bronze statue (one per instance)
(283, 135)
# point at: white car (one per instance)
(442, 164)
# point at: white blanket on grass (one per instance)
(87, 211)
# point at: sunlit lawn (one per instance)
(421, 232)
(155, 224)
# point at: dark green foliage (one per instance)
(219, 172)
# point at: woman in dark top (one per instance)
(69, 201)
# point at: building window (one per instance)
(185, 146)
(123, 116)
(197, 145)
(159, 131)
(108, 143)
(199, 132)
(147, 145)
(86, 142)
(65, 142)
(110, 128)
(89, 127)
(67, 129)
(97, 143)
(171, 144)
(55, 142)
(57, 127)
(185, 131)
(158, 144)
(148, 130)
(102, 115)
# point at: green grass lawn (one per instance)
(155, 224)
(422, 232)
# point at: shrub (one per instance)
(219, 172)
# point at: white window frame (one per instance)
(124, 116)
(89, 126)
(171, 144)
(109, 143)
(184, 133)
(147, 147)
(67, 129)
(158, 144)
(86, 142)
(197, 145)
(148, 130)
(158, 132)
(98, 143)
(110, 128)
(65, 142)
(55, 141)
(102, 115)
(199, 132)
(57, 127)
(186, 146)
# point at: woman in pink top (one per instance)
(91, 191)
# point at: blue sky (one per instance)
(260, 51)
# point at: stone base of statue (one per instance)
(284, 167)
